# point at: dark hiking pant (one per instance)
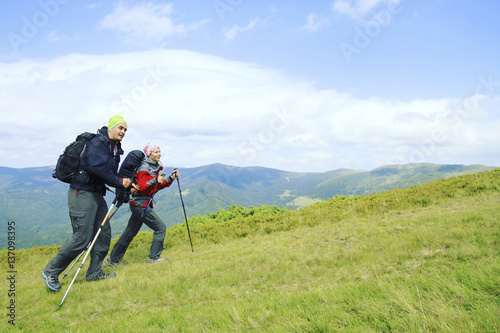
(153, 221)
(86, 211)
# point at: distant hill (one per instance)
(38, 203)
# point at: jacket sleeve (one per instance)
(101, 164)
(166, 182)
(146, 182)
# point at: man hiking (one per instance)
(87, 207)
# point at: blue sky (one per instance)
(293, 85)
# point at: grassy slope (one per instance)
(424, 258)
(44, 217)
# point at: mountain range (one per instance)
(38, 204)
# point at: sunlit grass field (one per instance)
(422, 259)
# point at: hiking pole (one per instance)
(86, 255)
(184, 209)
(78, 258)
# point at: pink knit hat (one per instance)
(149, 148)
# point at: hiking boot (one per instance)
(111, 263)
(102, 276)
(52, 281)
(155, 261)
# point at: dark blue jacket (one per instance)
(99, 164)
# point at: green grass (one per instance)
(422, 259)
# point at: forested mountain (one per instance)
(37, 202)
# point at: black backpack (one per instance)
(68, 163)
(127, 170)
(130, 164)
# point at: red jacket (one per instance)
(147, 181)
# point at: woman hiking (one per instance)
(149, 181)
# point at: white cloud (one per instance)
(235, 30)
(146, 23)
(359, 9)
(315, 22)
(55, 36)
(203, 109)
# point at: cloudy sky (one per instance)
(294, 85)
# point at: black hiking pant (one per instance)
(86, 211)
(153, 221)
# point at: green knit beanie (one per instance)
(113, 121)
